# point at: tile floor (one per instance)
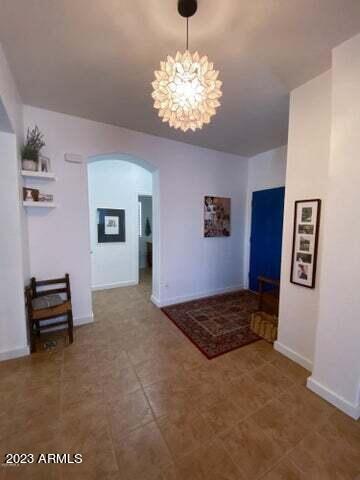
(140, 402)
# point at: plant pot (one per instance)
(29, 165)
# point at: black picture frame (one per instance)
(305, 242)
(119, 225)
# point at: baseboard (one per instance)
(196, 296)
(23, 351)
(107, 286)
(155, 301)
(339, 402)
(15, 353)
(83, 320)
(296, 357)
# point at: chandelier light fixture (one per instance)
(186, 88)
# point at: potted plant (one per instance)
(31, 150)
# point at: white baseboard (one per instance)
(155, 301)
(23, 351)
(83, 320)
(338, 401)
(107, 286)
(196, 296)
(15, 353)
(296, 357)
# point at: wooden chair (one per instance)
(264, 322)
(45, 303)
(269, 295)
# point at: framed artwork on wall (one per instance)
(216, 216)
(305, 242)
(111, 225)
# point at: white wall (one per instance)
(266, 170)
(306, 178)
(146, 213)
(189, 265)
(116, 184)
(13, 258)
(336, 374)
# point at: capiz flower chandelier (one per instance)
(186, 88)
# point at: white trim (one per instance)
(340, 402)
(107, 286)
(196, 296)
(15, 353)
(83, 320)
(155, 301)
(294, 356)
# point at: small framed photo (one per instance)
(111, 225)
(44, 164)
(30, 194)
(305, 242)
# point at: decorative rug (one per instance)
(218, 324)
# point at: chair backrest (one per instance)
(40, 288)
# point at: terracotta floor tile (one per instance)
(140, 402)
(143, 453)
(251, 449)
(184, 433)
(280, 425)
(222, 415)
(248, 394)
(209, 462)
(297, 373)
(271, 380)
(131, 411)
(246, 358)
(304, 404)
(285, 470)
(265, 350)
(118, 381)
(156, 370)
(316, 456)
(165, 399)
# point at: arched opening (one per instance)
(118, 187)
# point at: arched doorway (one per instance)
(111, 160)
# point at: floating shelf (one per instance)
(39, 204)
(44, 175)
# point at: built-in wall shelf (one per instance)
(44, 175)
(39, 204)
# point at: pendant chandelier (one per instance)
(186, 88)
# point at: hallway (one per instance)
(140, 402)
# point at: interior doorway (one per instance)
(124, 218)
(145, 221)
(266, 235)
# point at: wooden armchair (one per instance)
(45, 303)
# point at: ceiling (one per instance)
(96, 58)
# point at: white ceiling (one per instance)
(95, 59)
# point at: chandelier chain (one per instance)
(187, 33)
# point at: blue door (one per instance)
(266, 234)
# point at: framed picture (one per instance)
(305, 242)
(216, 216)
(44, 164)
(111, 225)
(30, 194)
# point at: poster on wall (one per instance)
(111, 225)
(305, 242)
(216, 216)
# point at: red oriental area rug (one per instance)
(216, 325)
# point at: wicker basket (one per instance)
(264, 325)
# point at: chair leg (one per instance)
(32, 343)
(37, 323)
(71, 326)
